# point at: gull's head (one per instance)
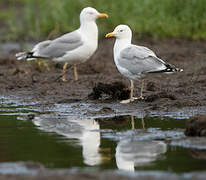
(91, 14)
(121, 32)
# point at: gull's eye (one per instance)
(91, 13)
(121, 30)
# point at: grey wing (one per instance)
(139, 59)
(41, 45)
(59, 47)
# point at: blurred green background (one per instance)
(36, 19)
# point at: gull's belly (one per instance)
(125, 72)
(128, 74)
(78, 55)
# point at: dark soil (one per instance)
(98, 78)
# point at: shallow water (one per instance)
(65, 140)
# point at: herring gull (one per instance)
(134, 61)
(72, 48)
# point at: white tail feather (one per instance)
(21, 56)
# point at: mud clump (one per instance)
(163, 94)
(31, 116)
(115, 91)
(151, 86)
(115, 119)
(196, 126)
(18, 71)
(104, 110)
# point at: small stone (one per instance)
(30, 116)
(107, 110)
(196, 126)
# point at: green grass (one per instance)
(35, 19)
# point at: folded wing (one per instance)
(58, 47)
(139, 59)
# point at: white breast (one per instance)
(117, 49)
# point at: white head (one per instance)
(121, 32)
(91, 14)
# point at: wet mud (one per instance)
(99, 81)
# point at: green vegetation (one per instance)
(158, 18)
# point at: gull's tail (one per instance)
(22, 55)
(27, 56)
(169, 69)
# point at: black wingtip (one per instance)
(28, 55)
(169, 69)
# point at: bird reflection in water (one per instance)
(90, 140)
(86, 131)
(133, 123)
(131, 153)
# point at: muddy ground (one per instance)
(163, 92)
(33, 82)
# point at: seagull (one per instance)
(134, 62)
(133, 153)
(72, 48)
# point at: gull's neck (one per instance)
(90, 30)
(120, 44)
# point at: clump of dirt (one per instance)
(104, 110)
(151, 86)
(115, 119)
(163, 94)
(18, 71)
(196, 126)
(115, 91)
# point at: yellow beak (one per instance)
(110, 35)
(103, 15)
